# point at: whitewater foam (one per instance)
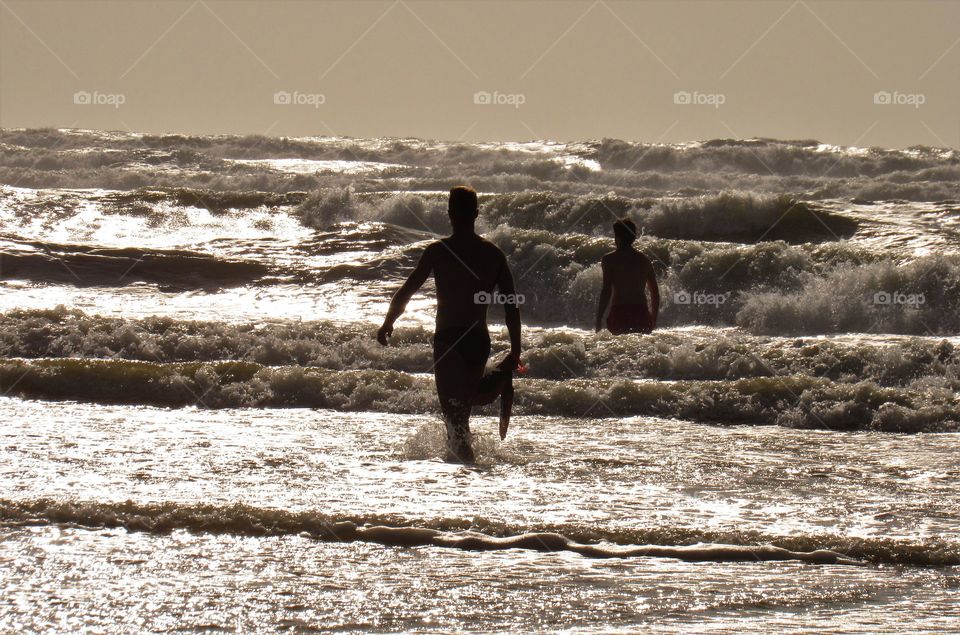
(246, 520)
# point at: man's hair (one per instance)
(463, 203)
(626, 230)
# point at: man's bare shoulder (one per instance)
(491, 249)
(641, 257)
(434, 248)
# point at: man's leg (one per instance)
(457, 381)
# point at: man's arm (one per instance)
(399, 302)
(654, 294)
(604, 296)
(511, 310)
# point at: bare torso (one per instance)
(628, 270)
(464, 266)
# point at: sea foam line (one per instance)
(799, 401)
(245, 520)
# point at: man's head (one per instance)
(463, 207)
(624, 232)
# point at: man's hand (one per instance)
(385, 331)
(403, 294)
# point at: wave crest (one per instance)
(551, 354)
(84, 159)
(479, 535)
(797, 401)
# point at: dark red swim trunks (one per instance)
(629, 318)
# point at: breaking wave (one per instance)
(84, 159)
(728, 216)
(768, 288)
(746, 218)
(550, 354)
(765, 156)
(800, 401)
(921, 297)
(480, 534)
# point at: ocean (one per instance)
(201, 432)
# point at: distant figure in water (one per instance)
(627, 274)
(466, 268)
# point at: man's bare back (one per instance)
(629, 270)
(627, 275)
(463, 267)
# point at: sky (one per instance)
(848, 73)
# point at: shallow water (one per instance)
(620, 478)
(630, 481)
(741, 470)
(76, 579)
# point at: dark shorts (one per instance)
(471, 344)
(629, 318)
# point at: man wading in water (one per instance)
(466, 268)
(626, 275)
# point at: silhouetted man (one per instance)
(466, 269)
(627, 273)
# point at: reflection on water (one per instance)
(111, 579)
(141, 518)
(338, 302)
(630, 480)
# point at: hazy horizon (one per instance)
(845, 73)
